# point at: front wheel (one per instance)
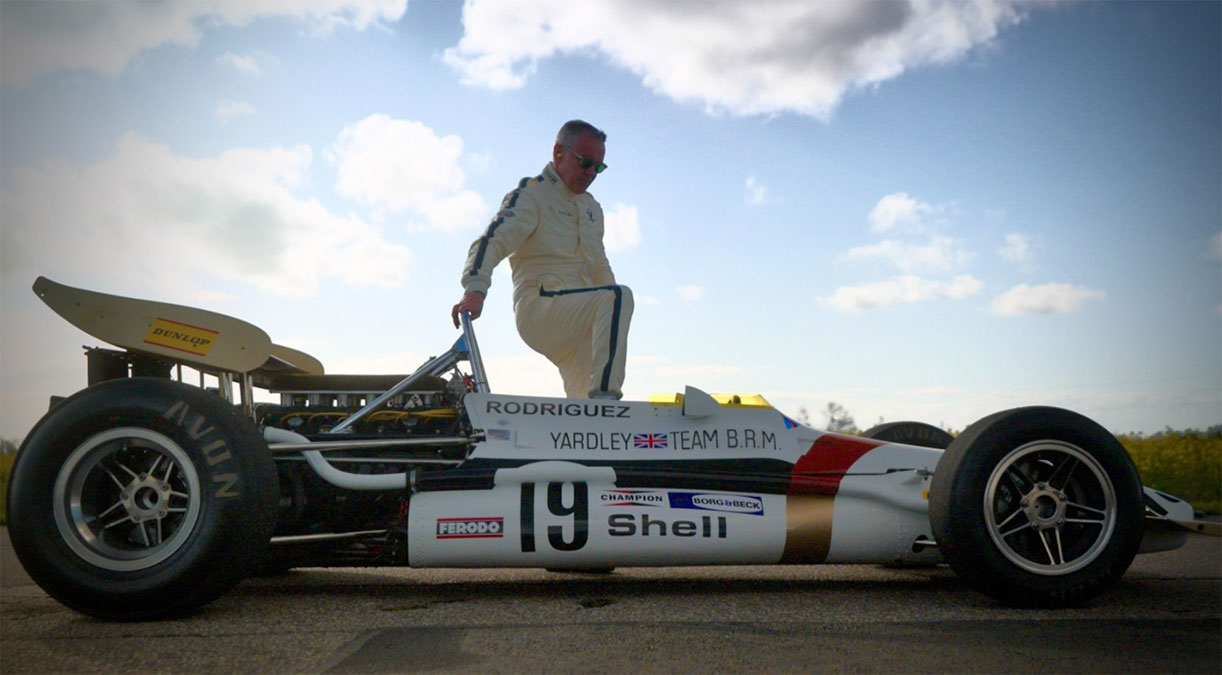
(141, 498)
(1038, 507)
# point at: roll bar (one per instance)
(465, 349)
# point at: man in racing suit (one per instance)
(566, 303)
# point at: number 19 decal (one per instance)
(579, 510)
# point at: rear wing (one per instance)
(207, 341)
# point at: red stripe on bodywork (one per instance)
(820, 470)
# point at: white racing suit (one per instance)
(565, 299)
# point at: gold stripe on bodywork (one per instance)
(808, 528)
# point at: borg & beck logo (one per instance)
(470, 528)
(748, 504)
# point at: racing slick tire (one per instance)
(1037, 507)
(910, 433)
(141, 498)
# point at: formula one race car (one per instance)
(143, 496)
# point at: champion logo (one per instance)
(632, 498)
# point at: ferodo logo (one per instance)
(470, 528)
(180, 337)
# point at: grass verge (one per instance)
(1185, 464)
(6, 464)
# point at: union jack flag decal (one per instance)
(650, 441)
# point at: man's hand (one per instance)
(472, 302)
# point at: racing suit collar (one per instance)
(553, 179)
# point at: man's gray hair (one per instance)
(574, 128)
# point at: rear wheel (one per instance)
(910, 433)
(141, 498)
(1037, 507)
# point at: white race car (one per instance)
(143, 496)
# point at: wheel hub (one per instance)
(146, 498)
(1044, 507)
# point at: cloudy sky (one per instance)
(929, 210)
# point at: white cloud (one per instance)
(757, 193)
(621, 228)
(42, 37)
(245, 64)
(479, 162)
(915, 250)
(1019, 250)
(939, 254)
(1215, 246)
(404, 167)
(1050, 298)
(745, 58)
(900, 211)
(690, 293)
(150, 218)
(903, 289)
(227, 110)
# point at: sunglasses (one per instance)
(585, 162)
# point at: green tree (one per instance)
(839, 419)
(803, 415)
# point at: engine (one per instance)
(319, 523)
(313, 511)
(312, 405)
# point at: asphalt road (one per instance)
(1165, 616)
